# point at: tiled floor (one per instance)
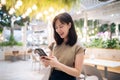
(112, 75)
(21, 70)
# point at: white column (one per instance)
(24, 39)
(3, 33)
(85, 26)
(50, 33)
(24, 36)
(117, 30)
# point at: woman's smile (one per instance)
(61, 34)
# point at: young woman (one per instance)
(67, 54)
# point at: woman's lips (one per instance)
(61, 34)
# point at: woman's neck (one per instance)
(65, 40)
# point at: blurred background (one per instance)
(27, 24)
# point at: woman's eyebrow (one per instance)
(58, 25)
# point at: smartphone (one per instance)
(40, 52)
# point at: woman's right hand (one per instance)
(51, 61)
(42, 59)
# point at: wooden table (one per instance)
(105, 63)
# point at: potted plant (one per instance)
(9, 45)
(105, 49)
(11, 42)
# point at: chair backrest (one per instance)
(34, 58)
(90, 70)
(29, 51)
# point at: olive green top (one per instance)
(66, 54)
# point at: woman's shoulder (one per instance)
(79, 47)
(79, 43)
(52, 45)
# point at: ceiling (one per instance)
(108, 10)
(39, 9)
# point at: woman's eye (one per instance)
(61, 26)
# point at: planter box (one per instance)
(18, 50)
(112, 54)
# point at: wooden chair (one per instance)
(90, 71)
(35, 63)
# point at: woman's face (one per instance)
(62, 29)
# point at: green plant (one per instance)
(79, 24)
(1, 29)
(112, 43)
(11, 42)
(112, 27)
(103, 28)
(100, 43)
(97, 42)
(109, 44)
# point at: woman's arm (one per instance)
(53, 62)
(76, 71)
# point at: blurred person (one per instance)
(67, 54)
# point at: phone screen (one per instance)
(40, 52)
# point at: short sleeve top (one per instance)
(66, 54)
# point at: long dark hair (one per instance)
(72, 36)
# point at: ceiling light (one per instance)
(103, 0)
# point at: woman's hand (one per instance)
(42, 58)
(51, 60)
